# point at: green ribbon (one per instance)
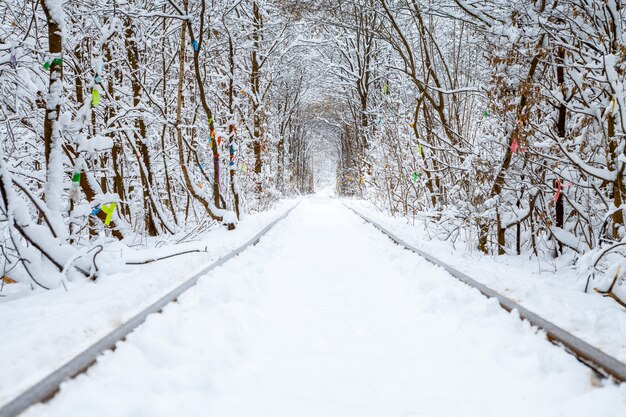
(76, 177)
(48, 64)
(486, 113)
(415, 176)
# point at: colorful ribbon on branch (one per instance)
(97, 80)
(559, 187)
(194, 44)
(515, 146)
(417, 174)
(50, 62)
(75, 189)
(95, 97)
(108, 209)
(613, 105)
(231, 151)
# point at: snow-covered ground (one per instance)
(550, 288)
(43, 330)
(326, 317)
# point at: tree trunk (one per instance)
(256, 96)
(51, 134)
(191, 187)
(140, 134)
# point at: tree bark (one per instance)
(140, 133)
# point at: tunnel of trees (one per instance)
(498, 121)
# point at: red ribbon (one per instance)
(558, 190)
(515, 146)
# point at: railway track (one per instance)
(47, 387)
(603, 364)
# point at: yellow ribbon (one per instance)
(95, 97)
(613, 105)
(108, 209)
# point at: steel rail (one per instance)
(589, 355)
(47, 387)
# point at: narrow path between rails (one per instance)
(326, 317)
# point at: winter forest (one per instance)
(500, 122)
(318, 208)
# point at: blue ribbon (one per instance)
(194, 43)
